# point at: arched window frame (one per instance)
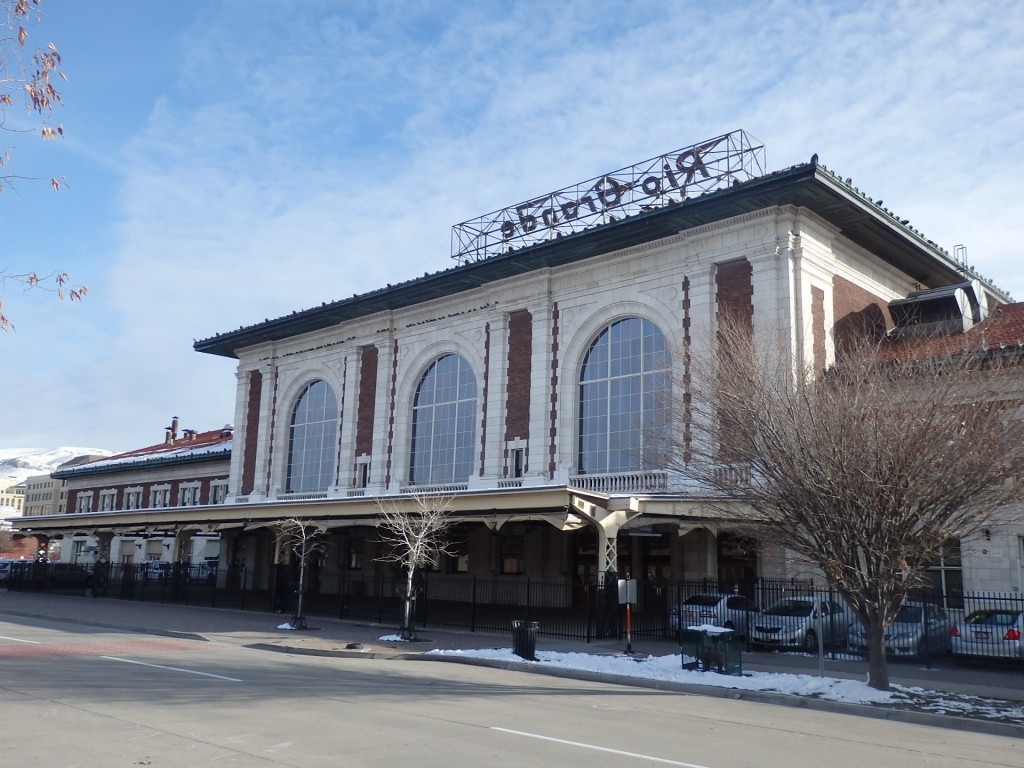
(444, 415)
(312, 442)
(624, 394)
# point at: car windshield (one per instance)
(702, 600)
(999, 618)
(909, 614)
(791, 608)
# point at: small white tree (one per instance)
(414, 526)
(302, 538)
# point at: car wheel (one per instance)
(811, 643)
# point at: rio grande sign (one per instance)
(662, 180)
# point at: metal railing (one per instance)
(771, 615)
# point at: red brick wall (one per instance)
(734, 291)
(857, 312)
(368, 360)
(252, 433)
(553, 415)
(519, 376)
(392, 395)
(175, 497)
(484, 391)
(818, 327)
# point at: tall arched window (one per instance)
(625, 398)
(444, 417)
(312, 440)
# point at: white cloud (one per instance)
(301, 156)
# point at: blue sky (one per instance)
(234, 160)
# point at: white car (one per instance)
(793, 623)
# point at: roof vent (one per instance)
(939, 311)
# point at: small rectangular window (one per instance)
(518, 462)
(363, 474)
(218, 493)
(511, 549)
(355, 554)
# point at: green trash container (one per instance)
(691, 646)
(723, 653)
(711, 651)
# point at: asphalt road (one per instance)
(99, 698)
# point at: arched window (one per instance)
(444, 423)
(312, 441)
(625, 398)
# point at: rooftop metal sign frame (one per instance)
(663, 180)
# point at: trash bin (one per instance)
(711, 650)
(723, 653)
(691, 646)
(524, 639)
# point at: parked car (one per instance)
(203, 572)
(729, 611)
(157, 570)
(992, 632)
(919, 630)
(793, 623)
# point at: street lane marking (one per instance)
(17, 639)
(172, 669)
(599, 749)
(32, 649)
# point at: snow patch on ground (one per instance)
(669, 668)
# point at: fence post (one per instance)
(528, 598)
(472, 605)
(380, 598)
(425, 590)
(342, 591)
(245, 581)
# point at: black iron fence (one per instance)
(770, 615)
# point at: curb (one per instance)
(877, 712)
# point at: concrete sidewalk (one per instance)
(327, 636)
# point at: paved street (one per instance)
(79, 695)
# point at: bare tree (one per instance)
(415, 527)
(27, 80)
(863, 472)
(303, 539)
(27, 77)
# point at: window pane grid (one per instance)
(312, 440)
(625, 391)
(444, 423)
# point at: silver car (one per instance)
(793, 623)
(993, 632)
(729, 611)
(919, 630)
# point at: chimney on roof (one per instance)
(228, 430)
(171, 433)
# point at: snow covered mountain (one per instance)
(18, 463)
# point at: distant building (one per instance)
(12, 503)
(187, 470)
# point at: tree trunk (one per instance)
(878, 666)
(408, 632)
(299, 619)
